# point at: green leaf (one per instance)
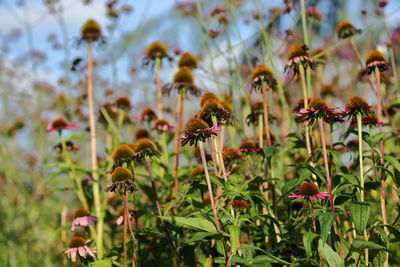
(191, 223)
(393, 161)
(360, 245)
(330, 255)
(199, 236)
(311, 169)
(351, 178)
(234, 232)
(307, 241)
(325, 222)
(360, 212)
(276, 259)
(101, 263)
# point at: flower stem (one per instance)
(203, 159)
(382, 152)
(260, 130)
(126, 212)
(154, 189)
(159, 89)
(265, 109)
(360, 155)
(328, 176)
(218, 150)
(180, 110)
(124, 230)
(305, 99)
(96, 186)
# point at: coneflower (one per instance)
(376, 63)
(123, 183)
(91, 32)
(319, 110)
(155, 52)
(198, 131)
(148, 115)
(262, 80)
(183, 83)
(78, 246)
(83, 218)
(346, 30)
(248, 147)
(122, 154)
(207, 96)
(60, 124)
(141, 133)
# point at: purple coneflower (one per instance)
(69, 145)
(60, 124)
(163, 126)
(310, 191)
(145, 148)
(371, 120)
(197, 130)
(120, 219)
(298, 55)
(83, 218)
(183, 81)
(357, 106)
(77, 246)
(262, 74)
(318, 109)
(213, 109)
(248, 147)
(375, 60)
(147, 115)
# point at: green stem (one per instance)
(360, 155)
(95, 184)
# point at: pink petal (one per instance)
(82, 252)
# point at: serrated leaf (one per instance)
(308, 238)
(330, 255)
(360, 212)
(191, 223)
(325, 222)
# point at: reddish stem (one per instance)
(180, 110)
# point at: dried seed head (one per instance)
(156, 50)
(194, 125)
(91, 30)
(123, 102)
(144, 144)
(76, 242)
(82, 212)
(308, 189)
(123, 152)
(121, 174)
(211, 106)
(227, 106)
(196, 171)
(345, 29)
(141, 133)
(207, 96)
(184, 75)
(188, 60)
